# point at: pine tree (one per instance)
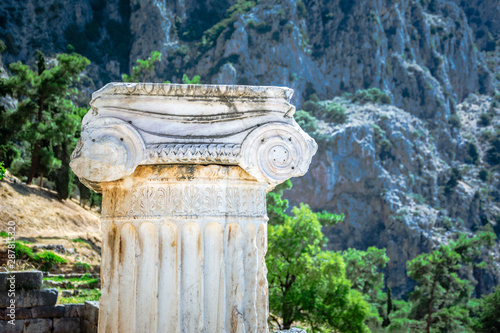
(45, 117)
(489, 318)
(441, 299)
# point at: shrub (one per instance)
(493, 154)
(83, 265)
(455, 176)
(78, 240)
(454, 121)
(49, 258)
(473, 154)
(310, 106)
(23, 250)
(314, 98)
(181, 51)
(301, 9)
(194, 80)
(372, 95)
(378, 134)
(307, 121)
(261, 27)
(386, 150)
(484, 175)
(484, 119)
(334, 112)
(276, 36)
(211, 35)
(45, 259)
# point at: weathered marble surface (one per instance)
(184, 171)
(133, 124)
(193, 235)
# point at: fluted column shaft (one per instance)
(184, 251)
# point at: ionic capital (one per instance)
(146, 123)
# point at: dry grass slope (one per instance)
(38, 213)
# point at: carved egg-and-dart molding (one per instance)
(133, 124)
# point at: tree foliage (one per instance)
(442, 299)
(276, 205)
(306, 283)
(194, 80)
(489, 314)
(364, 270)
(2, 171)
(45, 118)
(372, 95)
(144, 70)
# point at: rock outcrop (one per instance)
(386, 172)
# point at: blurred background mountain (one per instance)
(401, 95)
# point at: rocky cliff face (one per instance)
(389, 167)
(384, 169)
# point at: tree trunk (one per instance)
(431, 303)
(287, 315)
(41, 179)
(34, 162)
(34, 154)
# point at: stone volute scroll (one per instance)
(184, 170)
(133, 124)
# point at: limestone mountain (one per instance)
(408, 176)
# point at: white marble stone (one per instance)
(184, 171)
(133, 124)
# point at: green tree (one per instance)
(489, 314)
(442, 300)
(2, 171)
(364, 270)
(7, 129)
(144, 69)
(306, 283)
(45, 116)
(276, 205)
(194, 80)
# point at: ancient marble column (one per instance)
(184, 170)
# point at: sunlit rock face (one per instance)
(184, 171)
